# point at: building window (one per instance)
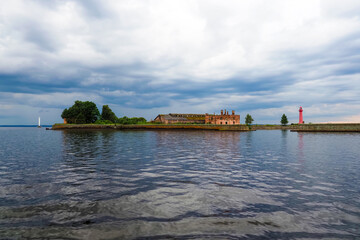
(234, 122)
(220, 122)
(225, 122)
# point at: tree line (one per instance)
(87, 112)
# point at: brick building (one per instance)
(223, 118)
(180, 118)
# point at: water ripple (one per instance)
(178, 185)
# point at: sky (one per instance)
(150, 57)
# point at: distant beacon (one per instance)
(39, 125)
(301, 121)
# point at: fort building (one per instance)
(224, 118)
(180, 118)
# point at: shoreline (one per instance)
(243, 128)
(321, 127)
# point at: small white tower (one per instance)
(39, 125)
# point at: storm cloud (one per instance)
(148, 57)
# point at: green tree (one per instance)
(108, 114)
(81, 112)
(139, 120)
(248, 119)
(284, 120)
(125, 120)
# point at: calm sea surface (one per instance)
(178, 185)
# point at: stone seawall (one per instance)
(272, 127)
(153, 126)
(328, 127)
(58, 126)
(190, 127)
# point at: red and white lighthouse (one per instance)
(301, 121)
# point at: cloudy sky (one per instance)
(148, 57)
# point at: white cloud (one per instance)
(5, 106)
(298, 52)
(50, 99)
(202, 40)
(117, 93)
(351, 119)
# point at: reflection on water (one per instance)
(178, 184)
(300, 154)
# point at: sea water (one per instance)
(108, 184)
